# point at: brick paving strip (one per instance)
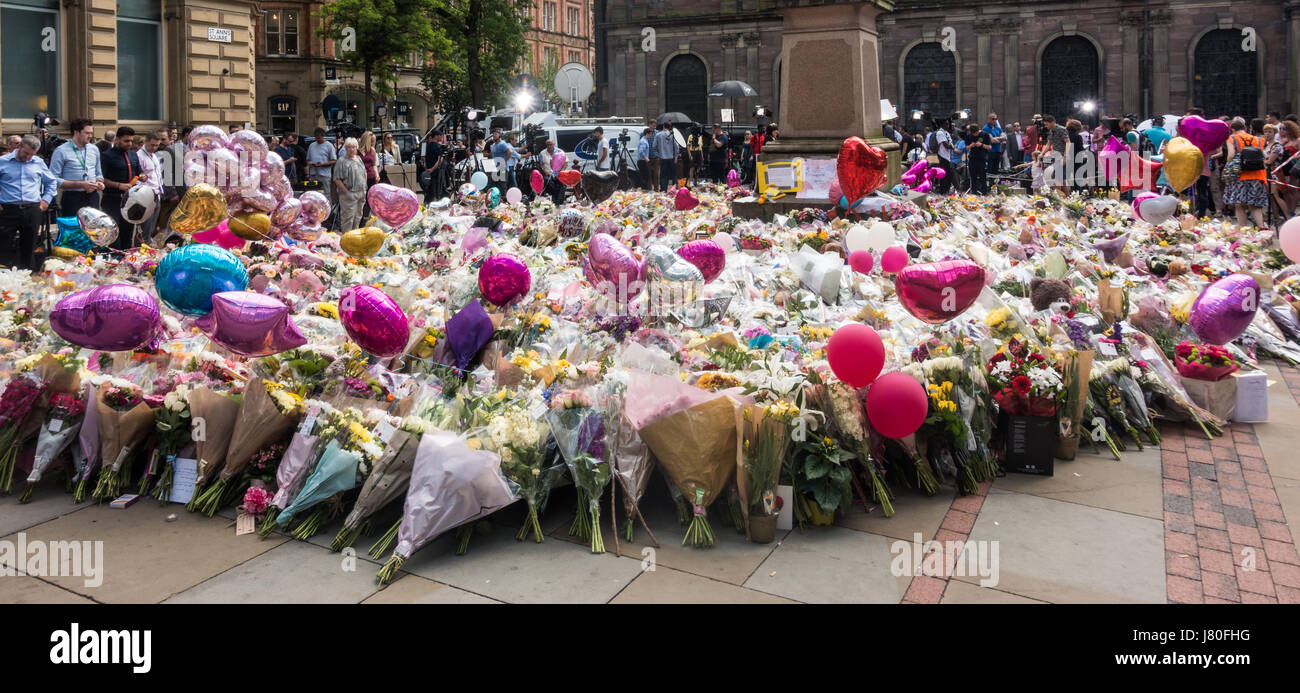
(956, 527)
(1222, 513)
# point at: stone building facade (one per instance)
(144, 63)
(301, 85)
(939, 56)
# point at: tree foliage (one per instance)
(488, 44)
(387, 31)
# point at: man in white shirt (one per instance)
(943, 147)
(152, 176)
(553, 185)
(602, 150)
(320, 162)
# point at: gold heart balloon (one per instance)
(1183, 163)
(65, 253)
(202, 208)
(251, 226)
(363, 242)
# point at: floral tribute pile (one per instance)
(450, 361)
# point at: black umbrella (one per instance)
(733, 89)
(675, 118)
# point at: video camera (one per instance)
(534, 138)
(624, 137)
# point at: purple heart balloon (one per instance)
(374, 320)
(393, 205)
(1207, 135)
(1225, 309)
(503, 278)
(315, 206)
(609, 262)
(250, 324)
(706, 255)
(113, 317)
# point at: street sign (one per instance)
(220, 35)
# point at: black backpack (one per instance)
(1252, 158)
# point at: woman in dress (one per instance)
(1249, 192)
(368, 157)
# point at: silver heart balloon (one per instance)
(666, 265)
(98, 226)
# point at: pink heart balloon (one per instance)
(612, 268)
(1207, 135)
(685, 200)
(924, 187)
(536, 182)
(937, 292)
(220, 235)
(393, 205)
(707, 255)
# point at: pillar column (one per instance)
(830, 47)
(1011, 70)
(100, 56)
(1131, 91)
(1160, 21)
(1291, 15)
(983, 68)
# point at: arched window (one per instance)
(686, 87)
(1225, 79)
(1070, 75)
(929, 80)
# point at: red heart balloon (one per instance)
(569, 177)
(937, 292)
(1141, 174)
(860, 168)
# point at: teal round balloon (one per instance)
(187, 277)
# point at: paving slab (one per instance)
(1131, 484)
(499, 567)
(1288, 493)
(20, 589)
(1279, 437)
(959, 592)
(413, 589)
(277, 577)
(49, 501)
(146, 558)
(731, 559)
(1056, 551)
(834, 565)
(668, 586)
(913, 513)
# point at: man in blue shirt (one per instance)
(506, 157)
(320, 163)
(994, 129)
(1157, 133)
(77, 163)
(289, 155)
(668, 148)
(26, 190)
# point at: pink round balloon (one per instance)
(112, 317)
(393, 205)
(249, 141)
(302, 229)
(707, 255)
(272, 166)
(207, 138)
(1289, 239)
(937, 292)
(893, 259)
(856, 353)
(315, 206)
(536, 182)
(504, 278)
(612, 269)
(250, 324)
(259, 200)
(286, 212)
(862, 261)
(374, 320)
(897, 405)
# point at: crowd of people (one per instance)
(1263, 193)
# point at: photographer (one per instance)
(433, 159)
